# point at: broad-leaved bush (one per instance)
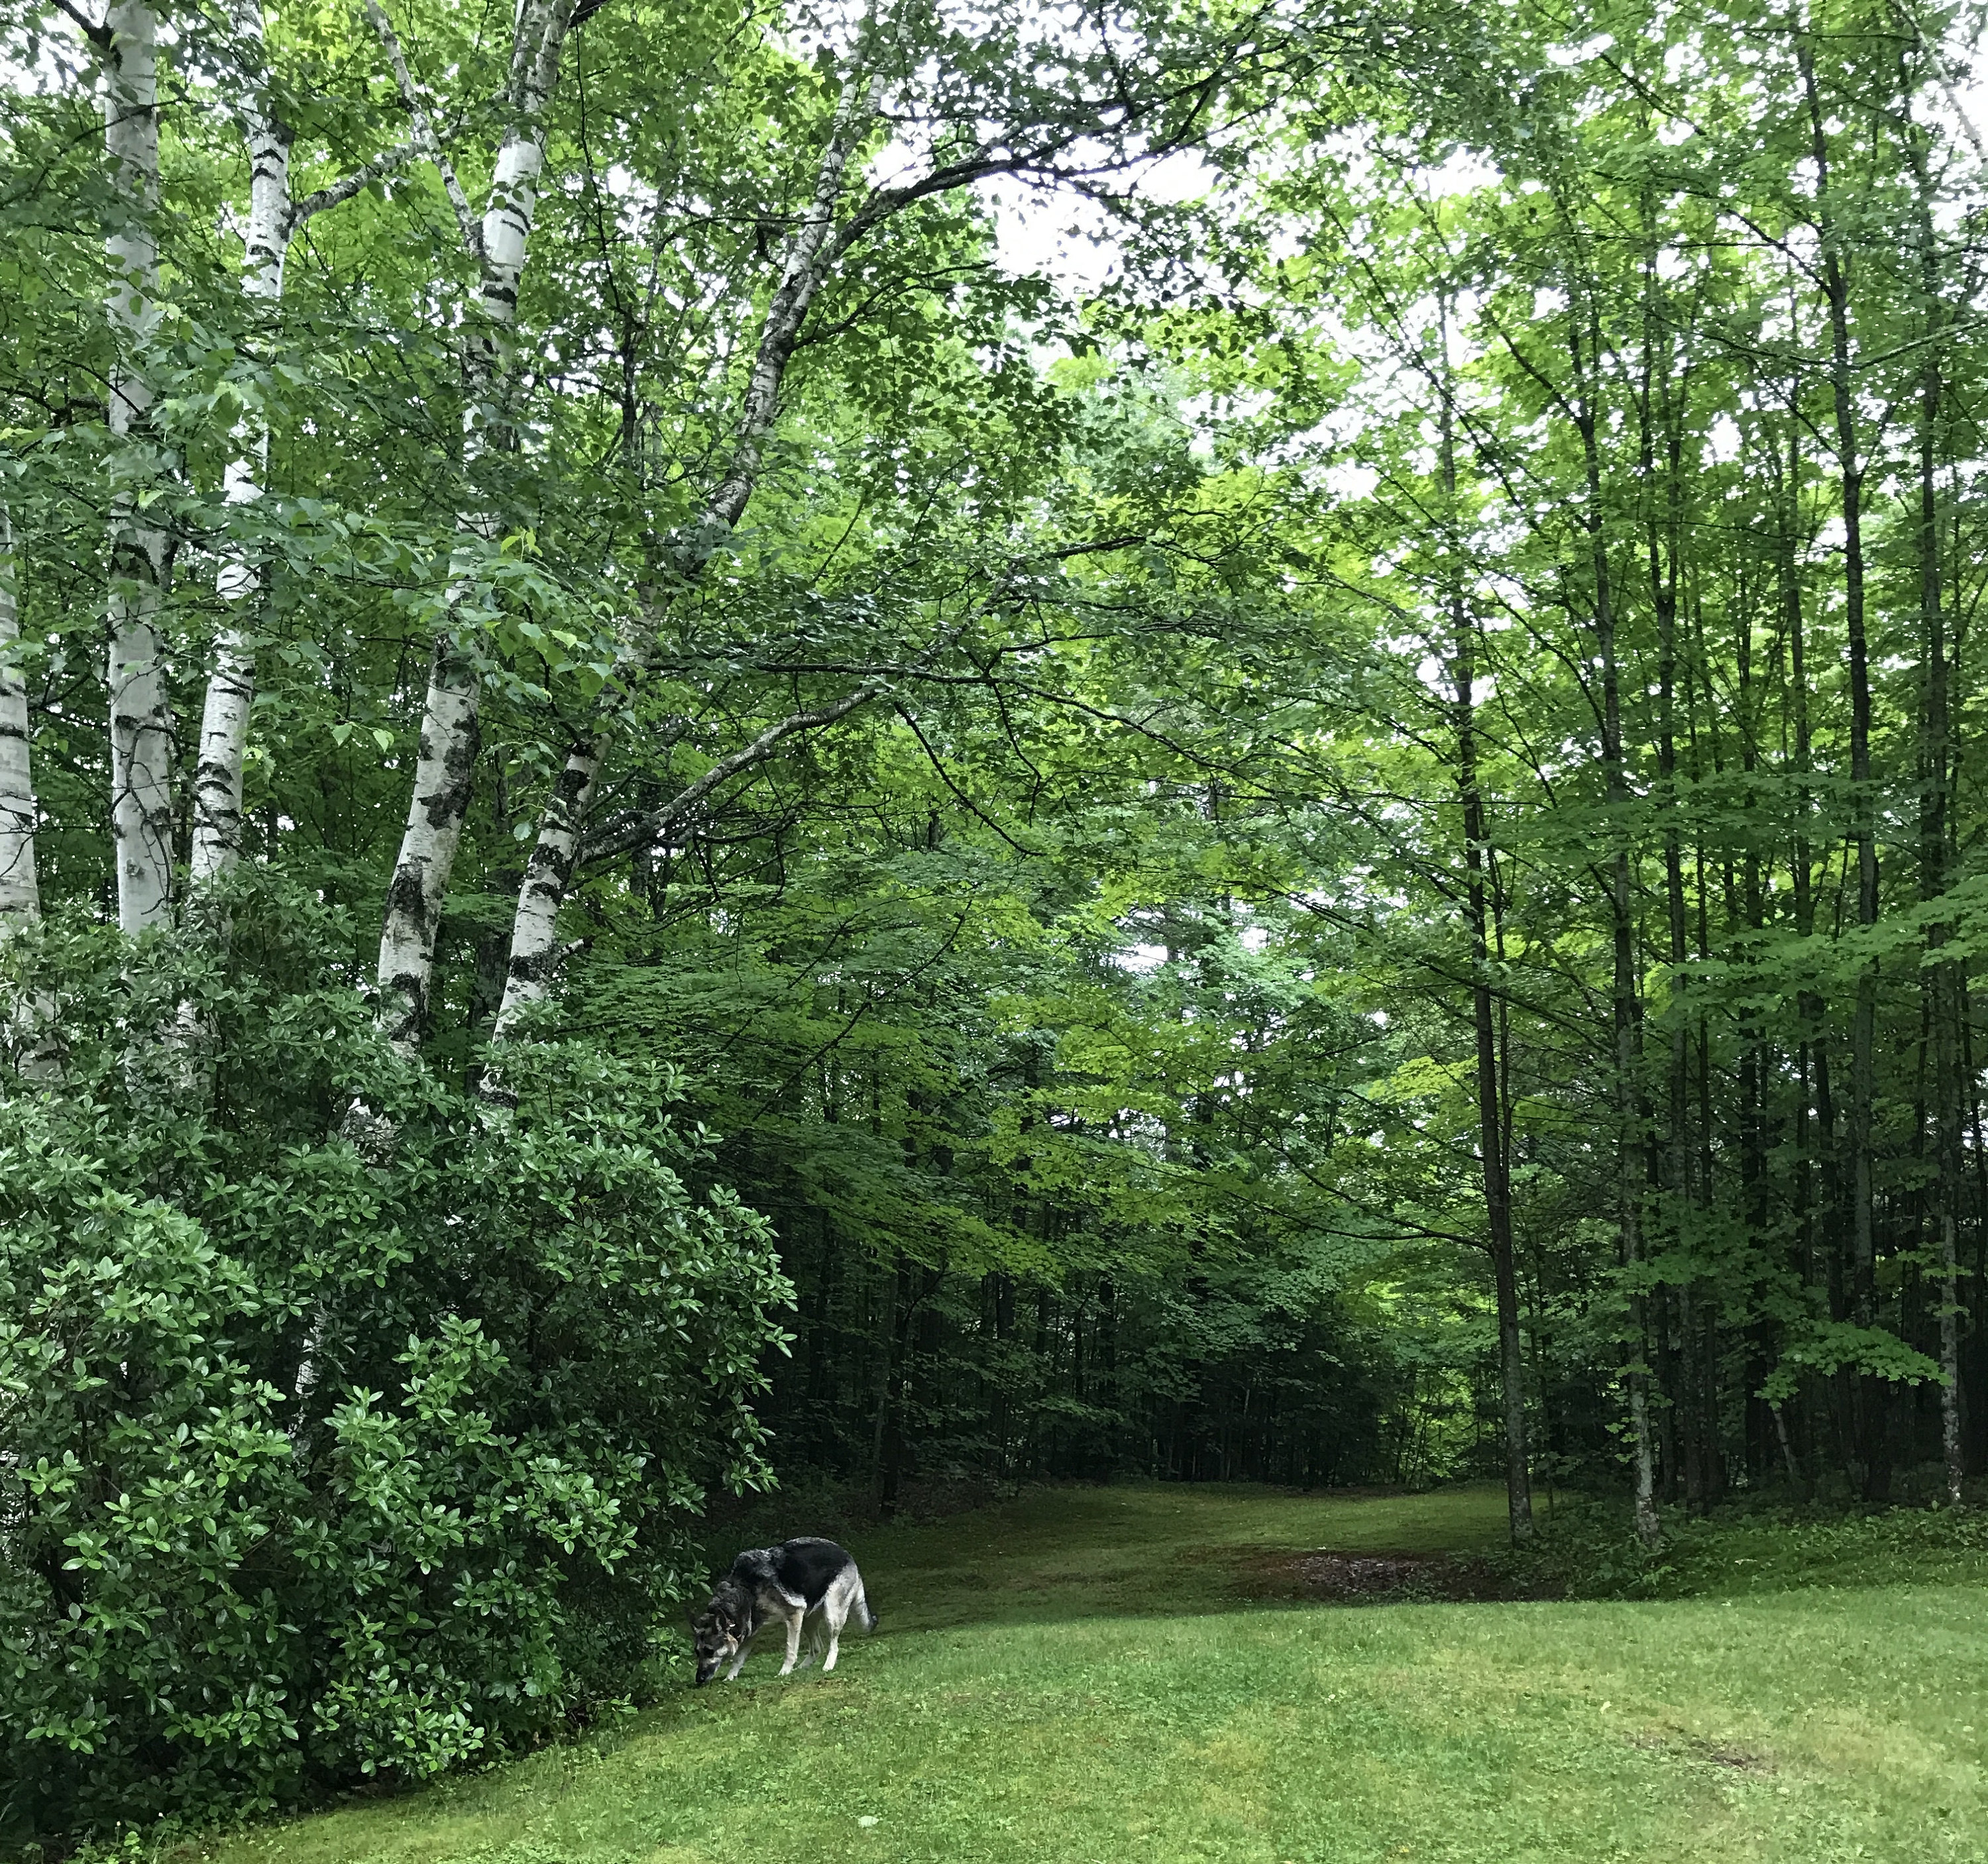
(346, 1424)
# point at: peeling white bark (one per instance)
(241, 582)
(273, 221)
(449, 725)
(20, 893)
(141, 725)
(224, 746)
(534, 946)
(30, 1033)
(442, 772)
(808, 257)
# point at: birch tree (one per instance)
(1101, 124)
(20, 892)
(274, 220)
(141, 723)
(532, 964)
(497, 245)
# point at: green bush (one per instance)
(318, 1461)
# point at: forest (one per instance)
(754, 746)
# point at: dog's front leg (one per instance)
(738, 1662)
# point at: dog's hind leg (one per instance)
(811, 1629)
(794, 1618)
(834, 1609)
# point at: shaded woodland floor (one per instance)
(1093, 1674)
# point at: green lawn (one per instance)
(1073, 1677)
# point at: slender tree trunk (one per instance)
(27, 1024)
(1490, 1123)
(1632, 1145)
(1872, 1434)
(449, 735)
(534, 964)
(1814, 1141)
(1685, 1196)
(535, 951)
(1941, 982)
(141, 725)
(20, 891)
(243, 582)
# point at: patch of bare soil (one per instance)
(1715, 1753)
(1380, 1578)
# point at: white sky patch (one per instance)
(1349, 481)
(1722, 440)
(1462, 173)
(1057, 234)
(1567, 57)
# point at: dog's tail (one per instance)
(862, 1606)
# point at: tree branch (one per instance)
(342, 190)
(99, 36)
(425, 139)
(649, 828)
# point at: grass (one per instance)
(1074, 1677)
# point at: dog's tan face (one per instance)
(716, 1632)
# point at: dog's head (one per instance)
(719, 1630)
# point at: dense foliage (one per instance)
(1145, 739)
(322, 1463)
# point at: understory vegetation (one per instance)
(750, 748)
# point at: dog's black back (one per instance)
(803, 1568)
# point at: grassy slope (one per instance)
(1046, 1687)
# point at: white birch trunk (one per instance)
(535, 948)
(242, 583)
(30, 1032)
(20, 892)
(808, 257)
(449, 721)
(141, 725)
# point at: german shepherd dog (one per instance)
(798, 1581)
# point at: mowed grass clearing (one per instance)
(1074, 1677)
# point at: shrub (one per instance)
(318, 1463)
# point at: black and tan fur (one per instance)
(797, 1582)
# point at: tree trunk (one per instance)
(1873, 1449)
(241, 583)
(534, 937)
(1490, 1123)
(28, 1033)
(450, 726)
(141, 725)
(275, 218)
(535, 950)
(1632, 1146)
(20, 891)
(1940, 978)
